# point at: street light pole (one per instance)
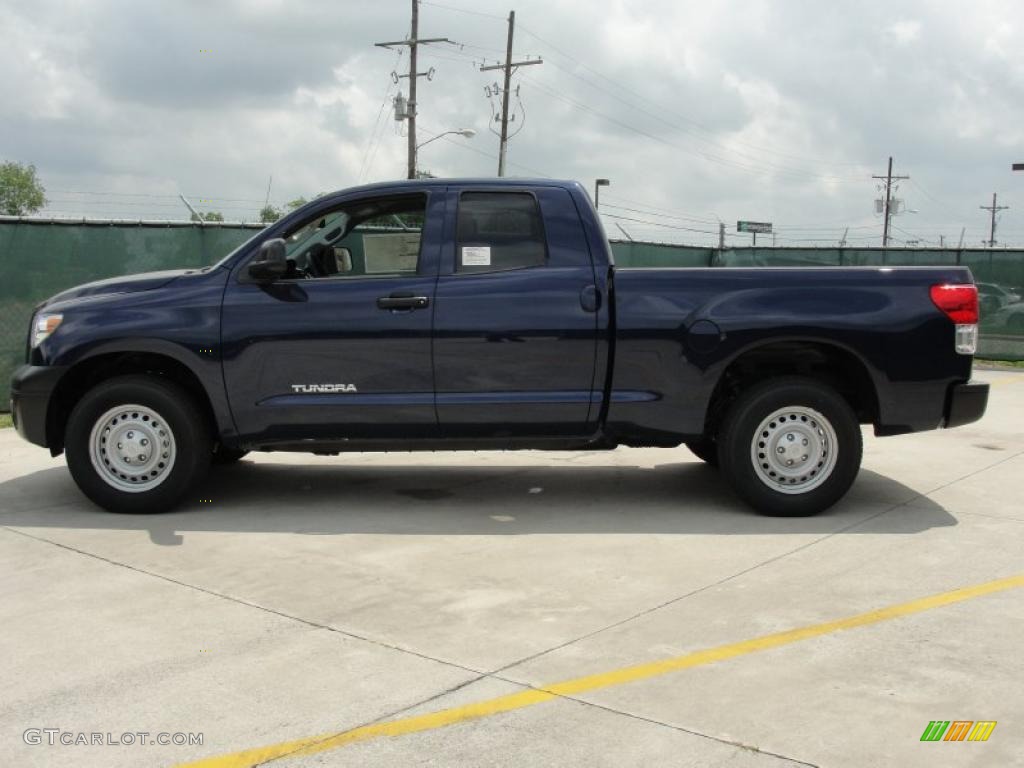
(598, 183)
(469, 133)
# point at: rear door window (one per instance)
(498, 231)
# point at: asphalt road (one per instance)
(507, 609)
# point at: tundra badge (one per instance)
(316, 388)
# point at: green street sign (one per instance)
(755, 227)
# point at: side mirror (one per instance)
(271, 262)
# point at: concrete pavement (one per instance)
(314, 595)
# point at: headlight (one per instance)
(43, 326)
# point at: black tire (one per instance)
(178, 415)
(223, 456)
(704, 449)
(828, 466)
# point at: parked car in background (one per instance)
(993, 297)
(1009, 318)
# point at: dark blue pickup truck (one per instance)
(487, 314)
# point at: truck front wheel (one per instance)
(137, 444)
(223, 456)
(790, 447)
(705, 449)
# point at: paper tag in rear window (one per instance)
(476, 256)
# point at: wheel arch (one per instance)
(89, 371)
(825, 361)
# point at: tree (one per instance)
(209, 216)
(269, 214)
(20, 190)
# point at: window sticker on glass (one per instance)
(476, 256)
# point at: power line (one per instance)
(461, 45)
(464, 145)
(659, 215)
(657, 224)
(947, 210)
(660, 106)
(462, 10)
(202, 198)
(653, 207)
(119, 204)
(910, 234)
(711, 158)
(372, 138)
(728, 149)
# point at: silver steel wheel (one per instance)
(794, 450)
(132, 448)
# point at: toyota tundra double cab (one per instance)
(488, 314)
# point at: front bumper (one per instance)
(31, 390)
(966, 403)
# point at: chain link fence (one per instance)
(39, 258)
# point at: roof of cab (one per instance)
(413, 184)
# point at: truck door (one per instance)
(339, 348)
(515, 321)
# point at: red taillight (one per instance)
(959, 302)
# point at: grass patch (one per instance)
(5, 420)
(1001, 363)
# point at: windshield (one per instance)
(324, 229)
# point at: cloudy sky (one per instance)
(698, 112)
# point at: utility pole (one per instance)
(413, 42)
(889, 179)
(414, 75)
(508, 66)
(994, 210)
(721, 237)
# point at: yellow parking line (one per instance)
(406, 725)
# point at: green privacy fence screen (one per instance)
(999, 274)
(38, 258)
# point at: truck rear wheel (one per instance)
(137, 444)
(790, 447)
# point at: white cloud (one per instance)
(732, 109)
(905, 32)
